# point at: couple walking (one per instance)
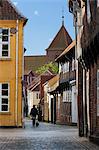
(34, 114)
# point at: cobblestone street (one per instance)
(44, 137)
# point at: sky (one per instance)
(44, 21)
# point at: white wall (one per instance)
(74, 105)
(32, 99)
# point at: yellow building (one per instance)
(11, 64)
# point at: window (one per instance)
(4, 42)
(67, 96)
(66, 67)
(37, 95)
(98, 92)
(4, 97)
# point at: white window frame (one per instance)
(3, 96)
(98, 92)
(4, 42)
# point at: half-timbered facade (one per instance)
(88, 67)
(67, 85)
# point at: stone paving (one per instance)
(45, 137)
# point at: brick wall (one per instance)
(92, 97)
(80, 100)
(98, 117)
(64, 116)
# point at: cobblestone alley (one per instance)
(44, 137)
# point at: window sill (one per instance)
(5, 113)
(5, 58)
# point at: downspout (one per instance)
(17, 22)
(23, 117)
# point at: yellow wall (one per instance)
(8, 74)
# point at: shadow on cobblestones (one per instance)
(45, 137)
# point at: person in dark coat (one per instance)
(34, 113)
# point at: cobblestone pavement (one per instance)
(44, 137)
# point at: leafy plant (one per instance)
(53, 67)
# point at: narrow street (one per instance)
(45, 137)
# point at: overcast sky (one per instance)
(44, 21)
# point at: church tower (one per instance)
(61, 41)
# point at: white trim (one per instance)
(73, 82)
(16, 73)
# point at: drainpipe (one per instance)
(23, 117)
(17, 73)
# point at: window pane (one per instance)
(4, 92)
(5, 46)
(4, 108)
(37, 96)
(4, 86)
(4, 53)
(4, 100)
(5, 38)
(5, 32)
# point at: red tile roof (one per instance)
(9, 12)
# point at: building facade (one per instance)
(51, 110)
(11, 64)
(88, 67)
(67, 86)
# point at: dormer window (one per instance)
(4, 42)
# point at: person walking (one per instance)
(33, 114)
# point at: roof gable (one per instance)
(61, 40)
(9, 12)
